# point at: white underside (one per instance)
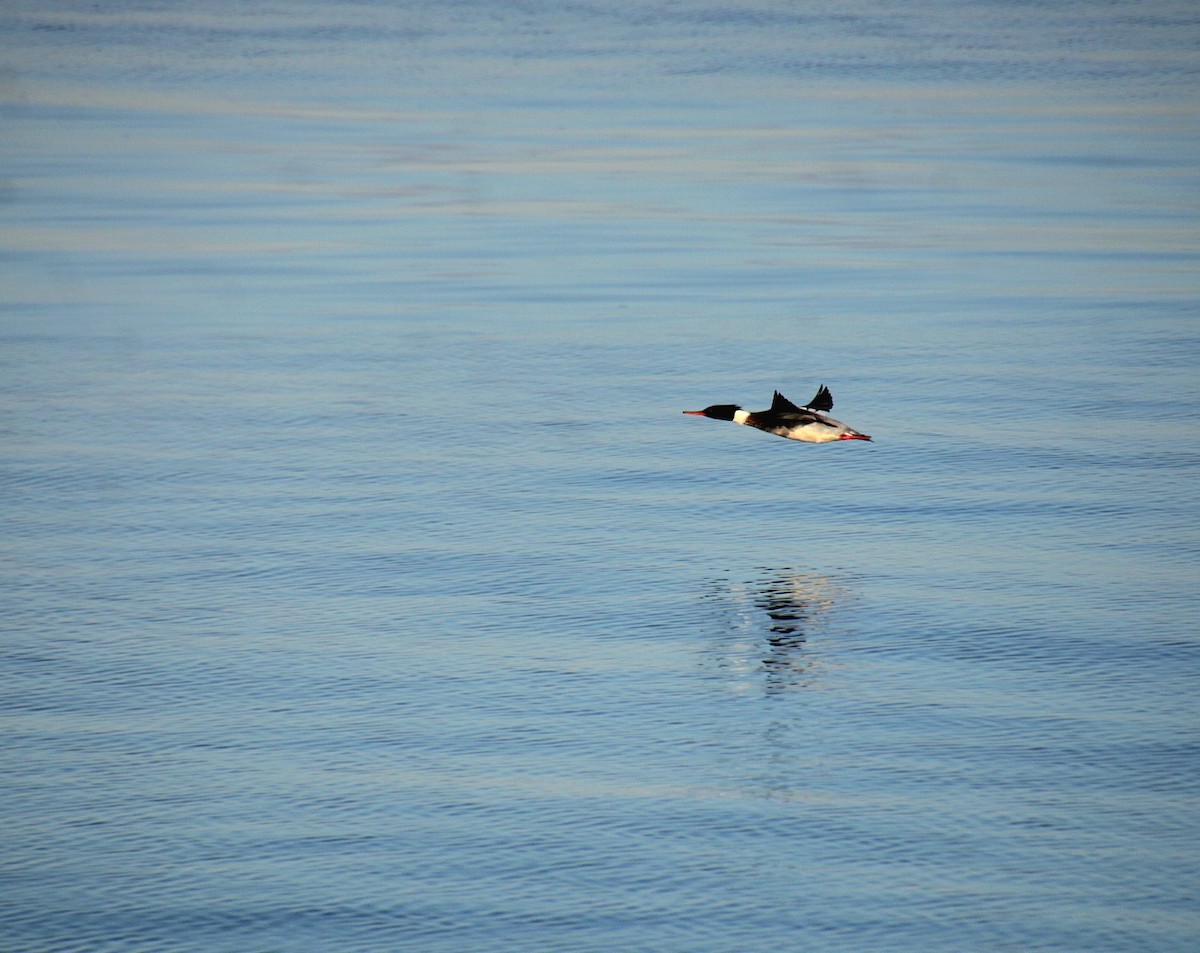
(814, 433)
(807, 433)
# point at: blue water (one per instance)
(363, 587)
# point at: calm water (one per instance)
(364, 589)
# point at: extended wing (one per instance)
(822, 402)
(781, 405)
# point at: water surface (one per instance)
(364, 588)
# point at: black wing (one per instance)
(823, 401)
(781, 405)
(785, 415)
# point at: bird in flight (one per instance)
(785, 419)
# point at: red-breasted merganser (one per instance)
(785, 419)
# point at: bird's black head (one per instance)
(716, 411)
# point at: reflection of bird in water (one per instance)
(791, 603)
(794, 606)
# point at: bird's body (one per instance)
(808, 423)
